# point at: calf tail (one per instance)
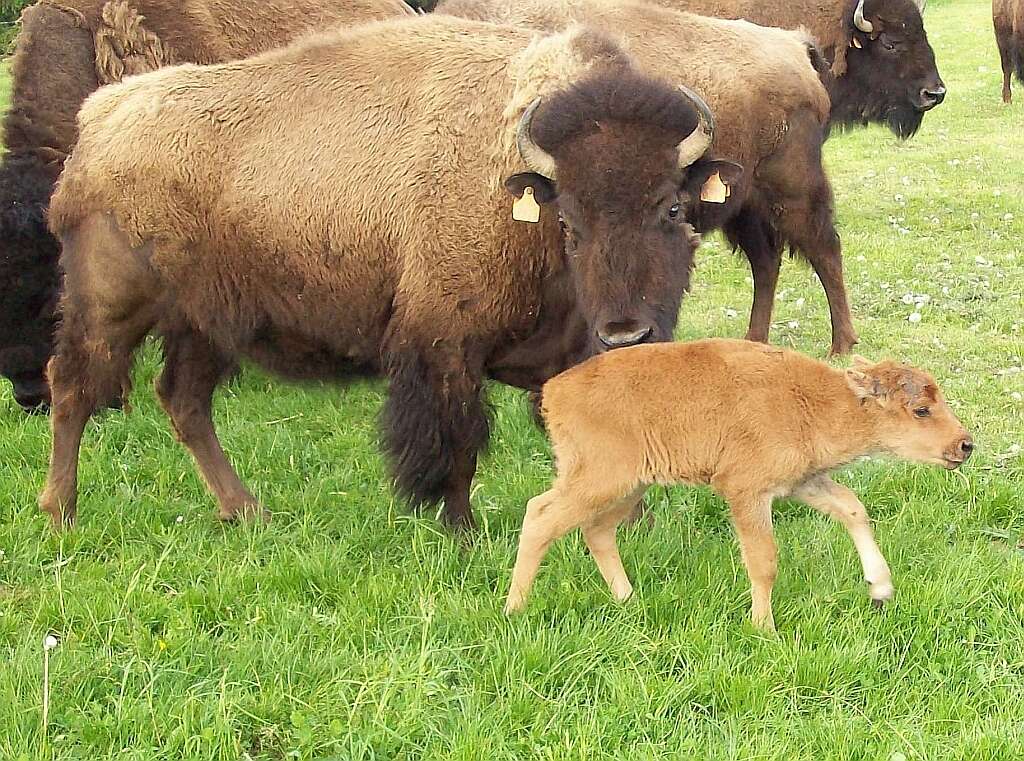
(124, 46)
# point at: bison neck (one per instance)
(843, 430)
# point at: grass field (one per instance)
(347, 629)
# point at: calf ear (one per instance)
(714, 186)
(543, 189)
(864, 386)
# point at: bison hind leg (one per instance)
(433, 425)
(107, 309)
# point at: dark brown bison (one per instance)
(343, 206)
(762, 84)
(882, 68)
(1008, 19)
(65, 51)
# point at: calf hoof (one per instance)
(514, 605)
(881, 593)
(247, 512)
(622, 592)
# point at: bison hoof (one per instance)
(842, 346)
(60, 518)
(249, 512)
(880, 594)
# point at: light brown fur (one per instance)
(755, 423)
(1008, 20)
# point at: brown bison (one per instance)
(65, 51)
(764, 89)
(755, 423)
(882, 68)
(1008, 19)
(343, 206)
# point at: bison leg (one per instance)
(830, 498)
(752, 519)
(1006, 58)
(548, 516)
(752, 233)
(193, 368)
(434, 423)
(599, 535)
(104, 319)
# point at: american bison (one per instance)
(1008, 19)
(882, 68)
(753, 422)
(65, 51)
(345, 206)
(764, 89)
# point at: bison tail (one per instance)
(429, 420)
(124, 46)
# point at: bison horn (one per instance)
(859, 21)
(536, 158)
(696, 143)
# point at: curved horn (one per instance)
(536, 158)
(696, 143)
(859, 21)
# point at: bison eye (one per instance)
(922, 412)
(673, 211)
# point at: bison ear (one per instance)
(543, 189)
(714, 184)
(864, 386)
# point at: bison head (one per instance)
(891, 75)
(622, 157)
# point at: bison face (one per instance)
(621, 158)
(891, 74)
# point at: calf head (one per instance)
(621, 155)
(911, 416)
(891, 75)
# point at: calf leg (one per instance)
(193, 368)
(104, 319)
(830, 498)
(599, 535)
(752, 519)
(752, 233)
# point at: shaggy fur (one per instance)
(68, 48)
(293, 209)
(1008, 20)
(882, 77)
(755, 423)
(770, 109)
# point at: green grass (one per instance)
(347, 629)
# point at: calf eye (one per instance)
(922, 412)
(673, 211)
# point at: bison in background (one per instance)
(882, 68)
(65, 51)
(343, 206)
(1008, 19)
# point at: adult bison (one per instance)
(882, 68)
(343, 206)
(1008, 19)
(66, 50)
(772, 109)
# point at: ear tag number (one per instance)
(714, 190)
(526, 209)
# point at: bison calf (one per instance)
(754, 422)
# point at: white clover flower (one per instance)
(914, 317)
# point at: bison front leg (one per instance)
(751, 232)
(434, 423)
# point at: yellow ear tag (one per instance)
(714, 190)
(526, 209)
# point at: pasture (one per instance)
(349, 629)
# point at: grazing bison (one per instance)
(345, 206)
(755, 423)
(882, 68)
(762, 85)
(66, 50)
(1008, 19)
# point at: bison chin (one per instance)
(904, 121)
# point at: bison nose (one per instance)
(33, 403)
(616, 335)
(965, 447)
(930, 97)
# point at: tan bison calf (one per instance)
(752, 421)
